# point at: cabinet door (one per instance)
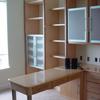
(77, 25)
(95, 24)
(39, 52)
(31, 50)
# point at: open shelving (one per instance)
(58, 28)
(34, 31)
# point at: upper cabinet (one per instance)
(77, 31)
(95, 24)
(94, 21)
(77, 21)
(84, 21)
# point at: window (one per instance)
(3, 36)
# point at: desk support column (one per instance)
(29, 97)
(13, 94)
(82, 86)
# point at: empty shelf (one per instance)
(59, 57)
(35, 2)
(35, 18)
(58, 8)
(62, 41)
(58, 25)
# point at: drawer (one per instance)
(93, 87)
(93, 96)
(93, 77)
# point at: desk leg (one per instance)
(29, 97)
(13, 94)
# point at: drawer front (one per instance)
(93, 87)
(93, 96)
(93, 77)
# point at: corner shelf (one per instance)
(59, 41)
(58, 8)
(58, 25)
(59, 57)
(35, 18)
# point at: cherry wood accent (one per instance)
(71, 50)
(92, 2)
(71, 3)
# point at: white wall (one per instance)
(15, 41)
(91, 51)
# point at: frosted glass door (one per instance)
(95, 24)
(30, 50)
(39, 52)
(77, 25)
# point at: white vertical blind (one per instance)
(3, 35)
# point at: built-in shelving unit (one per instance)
(34, 31)
(58, 28)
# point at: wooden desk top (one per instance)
(56, 75)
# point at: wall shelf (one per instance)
(34, 2)
(59, 41)
(59, 57)
(58, 25)
(35, 18)
(58, 8)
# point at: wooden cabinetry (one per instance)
(35, 51)
(47, 19)
(71, 90)
(83, 23)
(94, 8)
(92, 86)
(77, 21)
(77, 30)
(34, 31)
(92, 82)
(34, 17)
(58, 30)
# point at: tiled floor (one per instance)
(46, 95)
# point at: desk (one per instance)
(39, 81)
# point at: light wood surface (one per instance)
(71, 89)
(92, 81)
(43, 80)
(55, 30)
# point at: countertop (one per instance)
(46, 76)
